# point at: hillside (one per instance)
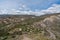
(30, 27)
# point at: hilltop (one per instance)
(30, 27)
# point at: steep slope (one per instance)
(15, 27)
(51, 26)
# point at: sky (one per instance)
(35, 7)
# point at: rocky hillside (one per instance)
(30, 27)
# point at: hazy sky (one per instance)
(28, 4)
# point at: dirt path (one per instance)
(51, 34)
(26, 38)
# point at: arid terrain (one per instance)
(30, 27)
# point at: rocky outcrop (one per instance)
(51, 24)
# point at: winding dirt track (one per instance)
(26, 38)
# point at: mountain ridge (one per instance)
(44, 27)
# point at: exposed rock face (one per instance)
(51, 25)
